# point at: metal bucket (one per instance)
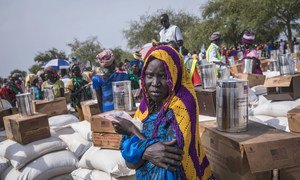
(24, 103)
(248, 66)
(224, 72)
(274, 55)
(273, 66)
(208, 76)
(232, 105)
(122, 95)
(296, 48)
(231, 60)
(286, 64)
(48, 93)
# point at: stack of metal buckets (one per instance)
(284, 64)
(231, 98)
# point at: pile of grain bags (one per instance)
(273, 113)
(97, 163)
(43, 159)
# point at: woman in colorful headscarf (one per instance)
(102, 83)
(53, 82)
(79, 89)
(32, 85)
(169, 113)
(250, 52)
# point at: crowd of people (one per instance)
(169, 145)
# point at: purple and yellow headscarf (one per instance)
(182, 100)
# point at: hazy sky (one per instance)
(31, 26)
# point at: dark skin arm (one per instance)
(160, 153)
(99, 99)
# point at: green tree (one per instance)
(121, 54)
(23, 73)
(286, 14)
(86, 50)
(34, 68)
(148, 26)
(50, 54)
(267, 19)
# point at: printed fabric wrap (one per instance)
(182, 100)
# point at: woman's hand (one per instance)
(164, 154)
(124, 126)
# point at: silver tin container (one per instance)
(248, 66)
(208, 76)
(231, 60)
(232, 105)
(274, 55)
(224, 72)
(286, 64)
(273, 66)
(48, 93)
(24, 103)
(122, 95)
(296, 48)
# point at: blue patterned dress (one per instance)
(132, 148)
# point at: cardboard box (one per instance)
(237, 68)
(3, 113)
(264, 64)
(251, 154)
(100, 123)
(283, 87)
(107, 140)
(26, 129)
(51, 108)
(295, 55)
(294, 119)
(290, 173)
(253, 79)
(206, 101)
(297, 67)
(89, 108)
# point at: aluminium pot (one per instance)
(232, 105)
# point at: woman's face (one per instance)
(156, 81)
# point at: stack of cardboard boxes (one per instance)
(281, 88)
(104, 134)
(51, 108)
(253, 79)
(252, 154)
(26, 129)
(89, 108)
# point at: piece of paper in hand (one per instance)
(138, 123)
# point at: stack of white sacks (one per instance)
(272, 113)
(67, 154)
